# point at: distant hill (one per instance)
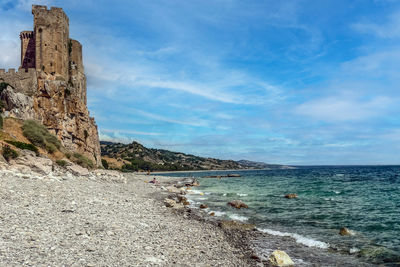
(134, 157)
(260, 165)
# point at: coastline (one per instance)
(106, 218)
(225, 170)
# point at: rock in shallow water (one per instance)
(238, 204)
(345, 231)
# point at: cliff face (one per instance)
(50, 85)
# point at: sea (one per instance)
(364, 199)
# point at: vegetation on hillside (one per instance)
(22, 145)
(38, 135)
(82, 160)
(136, 157)
(9, 153)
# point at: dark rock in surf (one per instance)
(345, 231)
(238, 204)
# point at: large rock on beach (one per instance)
(173, 189)
(280, 258)
(181, 198)
(203, 206)
(78, 170)
(234, 225)
(238, 204)
(27, 158)
(170, 203)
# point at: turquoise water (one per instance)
(364, 199)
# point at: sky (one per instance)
(288, 82)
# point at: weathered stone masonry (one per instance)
(50, 84)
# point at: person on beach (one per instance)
(154, 181)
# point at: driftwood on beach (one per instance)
(223, 176)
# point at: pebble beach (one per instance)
(103, 219)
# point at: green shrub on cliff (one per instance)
(83, 161)
(3, 85)
(61, 163)
(38, 135)
(105, 164)
(22, 145)
(9, 153)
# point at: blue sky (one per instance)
(291, 82)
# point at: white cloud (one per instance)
(384, 63)
(116, 131)
(191, 122)
(390, 29)
(9, 57)
(336, 108)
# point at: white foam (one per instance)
(202, 198)
(354, 250)
(219, 213)
(224, 194)
(195, 192)
(237, 217)
(299, 238)
(241, 195)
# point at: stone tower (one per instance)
(28, 48)
(51, 31)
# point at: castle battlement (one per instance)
(22, 80)
(26, 35)
(20, 71)
(43, 10)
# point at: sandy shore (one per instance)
(66, 220)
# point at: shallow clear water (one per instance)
(363, 199)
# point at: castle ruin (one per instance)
(52, 76)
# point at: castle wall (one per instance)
(51, 30)
(28, 47)
(23, 81)
(76, 70)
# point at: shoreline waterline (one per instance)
(333, 192)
